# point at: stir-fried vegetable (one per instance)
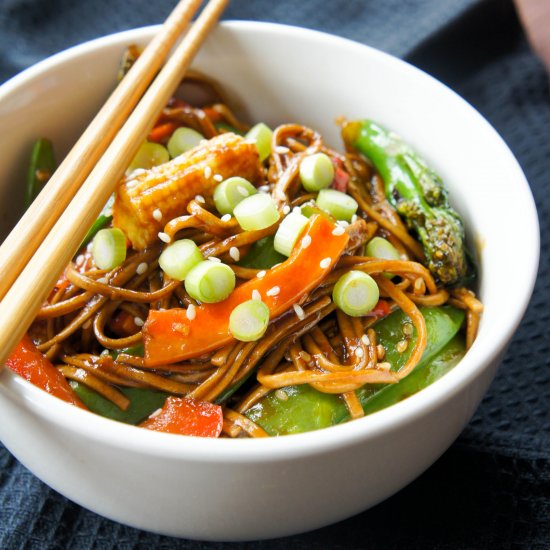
(297, 409)
(146, 201)
(356, 293)
(419, 196)
(29, 363)
(41, 167)
(337, 204)
(170, 335)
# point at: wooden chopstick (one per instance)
(31, 229)
(29, 290)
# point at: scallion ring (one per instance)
(248, 321)
(356, 293)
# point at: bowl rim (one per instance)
(117, 434)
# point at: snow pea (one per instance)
(302, 408)
(41, 167)
(142, 403)
(262, 255)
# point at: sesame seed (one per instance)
(354, 218)
(407, 329)
(281, 395)
(155, 413)
(359, 352)
(286, 209)
(218, 177)
(337, 231)
(261, 274)
(138, 321)
(299, 311)
(282, 150)
(200, 113)
(384, 366)
(102, 280)
(226, 218)
(87, 324)
(242, 190)
(296, 210)
(164, 237)
(234, 253)
(380, 351)
(104, 353)
(142, 268)
(305, 356)
(273, 291)
(324, 263)
(207, 172)
(157, 214)
(365, 340)
(256, 295)
(342, 223)
(200, 198)
(191, 312)
(213, 259)
(263, 189)
(306, 241)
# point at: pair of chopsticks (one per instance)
(49, 233)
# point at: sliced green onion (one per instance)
(149, 154)
(261, 134)
(109, 248)
(178, 258)
(210, 282)
(288, 232)
(256, 212)
(337, 204)
(231, 192)
(379, 247)
(248, 321)
(316, 172)
(356, 293)
(102, 220)
(182, 140)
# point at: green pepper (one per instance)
(420, 198)
(262, 255)
(297, 409)
(42, 166)
(142, 403)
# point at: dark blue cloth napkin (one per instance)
(491, 489)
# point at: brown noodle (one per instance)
(323, 347)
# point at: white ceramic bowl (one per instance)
(251, 489)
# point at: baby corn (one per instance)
(146, 201)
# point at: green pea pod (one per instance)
(262, 255)
(103, 220)
(301, 408)
(142, 403)
(41, 167)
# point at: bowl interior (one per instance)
(265, 79)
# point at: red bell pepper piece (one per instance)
(28, 362)
(341, 177)
(162, 132)
(170, 336)
(187, 417)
